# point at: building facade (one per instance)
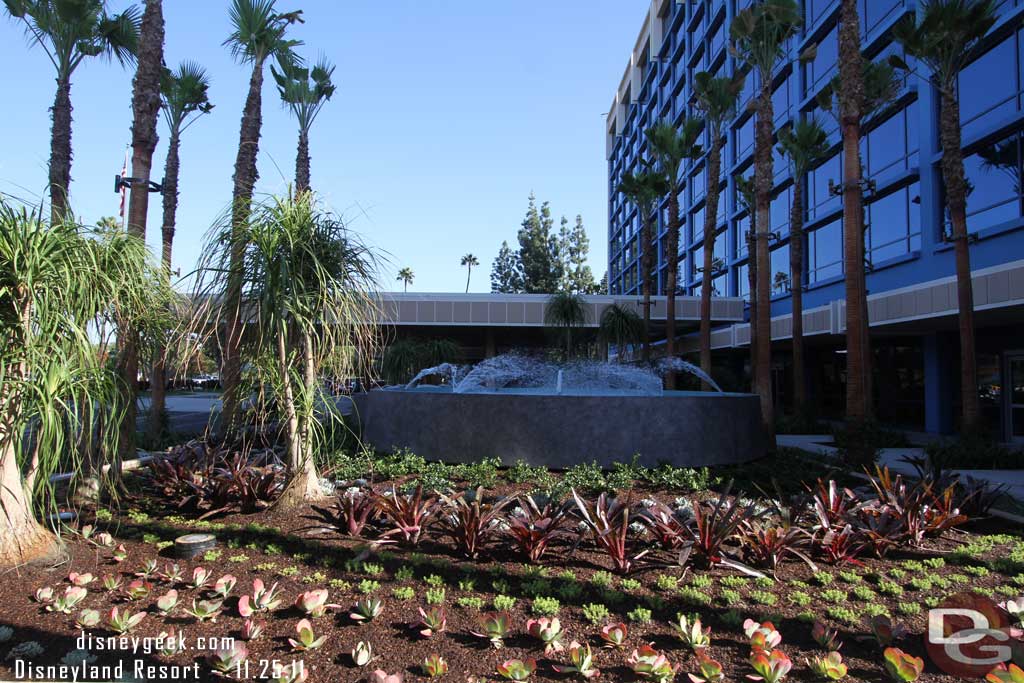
(912, 303)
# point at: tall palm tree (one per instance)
(716, 99)
(670, 147)
(304, 91)
(745, 196)
(70, 32)
(643, 189)
(944, 40)
(145, 111)
(620, 326)
(406, 276)
(877, 86)
(258, 35)
(469, 261)
(806, 143)
(185, 95)
(566, 310)
(759, 35)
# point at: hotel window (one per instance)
(994, 173)
(990, 86)
(780, 270)
(743, 283)
(697, 225)
(779, 211)
(819, 200)
(719, 284)
(892, 146)
(816, 9)
(894, 227)
(744, 139)
(825, 251)
(740, 232)
(717, 40)
(781, 102)
(822, 67)
(874, 12)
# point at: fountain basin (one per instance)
(684, 428)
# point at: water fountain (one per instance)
(558, 414)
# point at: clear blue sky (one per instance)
(447, 114)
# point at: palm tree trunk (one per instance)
(752, 290)
(956, 198)
(469, 271)
(22, 538)
(672, 247)
(710, 223)
(763, 173)
(851, 99)
(796, 276)
(646, 262)
(305, 482)
(60, 148)
(145, 109)
(245, 177)
(302, 163)
(158, 383)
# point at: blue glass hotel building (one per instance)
(912, 300)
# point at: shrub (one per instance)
(763, 597)
(404, 593)
(834, 596)
(908, 608)
(640, 615)
(504, 603)
(843, 614)
(470, 602)
(667, 582)
(434, 596)
(694, 596)
(595, 613)
(545, 606)
(601, 579)
(730, 597)
(800, 598)
(630, 585)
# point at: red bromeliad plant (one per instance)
(831, 503)
(667, 526)
(408, 514)
(608, 521)
(471, 523)
(537, 527)
(767, 546)
(715, 526)
(842, 546)
(351, 513)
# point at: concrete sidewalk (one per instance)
(892, 458)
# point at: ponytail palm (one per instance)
(566, 310)
(69, 33)
(716, 99)
(644, 189)
(304, 91)
(805, 144)
(945, 39)
(259, 34)
(308, 288)
(670, 148)
(620, 326)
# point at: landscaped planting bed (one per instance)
(422, 583)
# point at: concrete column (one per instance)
(939, 371)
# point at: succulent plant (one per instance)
(87, 618)
(77, 579)
(172, 574)
(262, 600)
(431, 621)
(169, 644)
(228, 660)
(517, 669)
(366, 609)
(138, 589)
(224, 585)
(111, 583)
(306, 640)
(1015, 608)
(581, 662)
(494, 626)
(292, 673)
(434, 666)
(1004, 674)
(6, 633)
(884, 631)
(314, 603)
(362, 653)
(614, 635)
(123, 622)
(44, 595)
(77, 657)
(710, 671)
(168, 601)
(902, 667)
(149, 568)
(200, 576)
(771, 667)
(68, 600)
(693, 634)
(119, 554)
(25, 650)
(205, 610)
(827, 638)
(380, 676)
(548, 631)
(103, 540)
(252, 629)
(829, 667)
(763, 636)
(649, 664)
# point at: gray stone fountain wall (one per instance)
(684, 428)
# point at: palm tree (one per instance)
(258, 35)
(716, 99)
(620, 326)
(806, 143)
(70, 32)
(309, 285)
(145, 111)
(644, 189)
(469, 261)
(304, 91)
(406, 276)
(566, 310)
(944, 40)
(745, 195)
(670, 148)
(185, 94)
(759, 35)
